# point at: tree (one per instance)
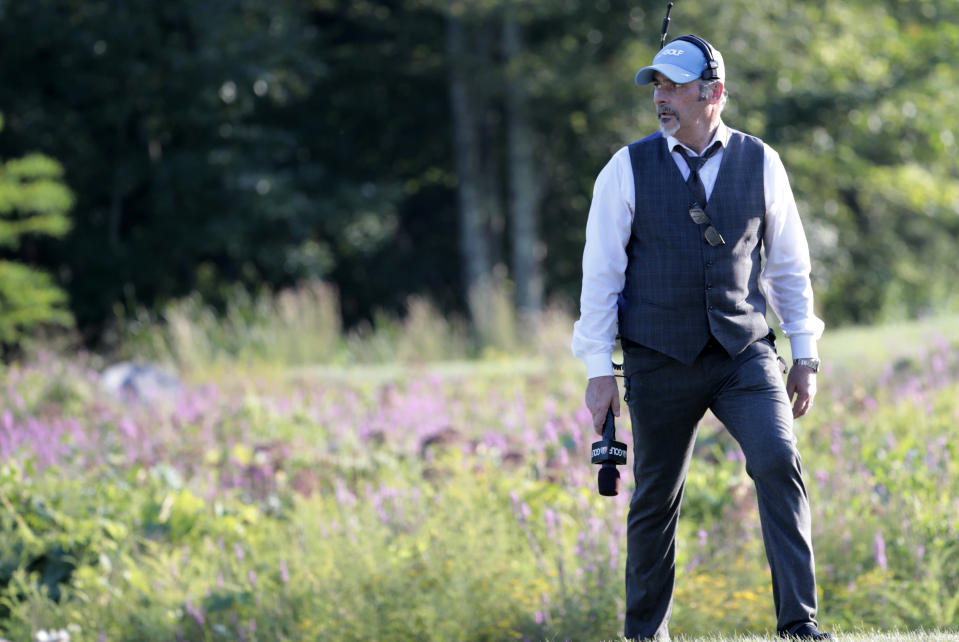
(385, 145)
(525, 184)
(468, 106)
(170, 119)
(33, 202)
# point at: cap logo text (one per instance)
(671, 52)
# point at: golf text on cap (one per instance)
(682, 61)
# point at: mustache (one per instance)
(665, 110)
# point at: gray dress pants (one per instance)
(666, 400)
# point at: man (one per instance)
(672, 264)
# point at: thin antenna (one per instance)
(662, 40)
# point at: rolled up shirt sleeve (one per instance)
(604, 265)
(785, 276)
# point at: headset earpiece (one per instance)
(711, 72)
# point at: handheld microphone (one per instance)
(610, 453)
(662, 39)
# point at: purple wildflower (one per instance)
(194, 612)
(551, 520)
(880, 551)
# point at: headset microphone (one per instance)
(610, 453)
(662, 39)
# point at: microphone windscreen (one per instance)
(608, 481)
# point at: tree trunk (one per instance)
(524, 184)
(473, 213)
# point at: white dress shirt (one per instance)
(784, 278)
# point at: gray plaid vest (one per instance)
(679, 289)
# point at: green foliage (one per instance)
(45, 538)
(34, 202)
(274, 143)
(172, 121)
(28, 299)
(450, 501)
(882, 208)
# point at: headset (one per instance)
(711, 72)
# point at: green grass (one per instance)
(859, 347)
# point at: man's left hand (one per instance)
(801, 383)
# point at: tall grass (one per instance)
(302, 326)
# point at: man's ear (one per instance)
(718, 89)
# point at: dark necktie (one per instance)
(695, 163)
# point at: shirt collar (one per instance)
(722, 135)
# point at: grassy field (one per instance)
(422, 500)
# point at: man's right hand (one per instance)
(602, 393)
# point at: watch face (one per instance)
(812, 364)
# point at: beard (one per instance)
(669, 130)
(673, 126)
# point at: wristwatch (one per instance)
(812, 364)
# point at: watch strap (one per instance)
(812, 364)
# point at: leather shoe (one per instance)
(807, 631)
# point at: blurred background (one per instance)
(286, 295)
(181, 155)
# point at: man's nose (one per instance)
(659, 97)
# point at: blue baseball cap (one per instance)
(680, 61)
